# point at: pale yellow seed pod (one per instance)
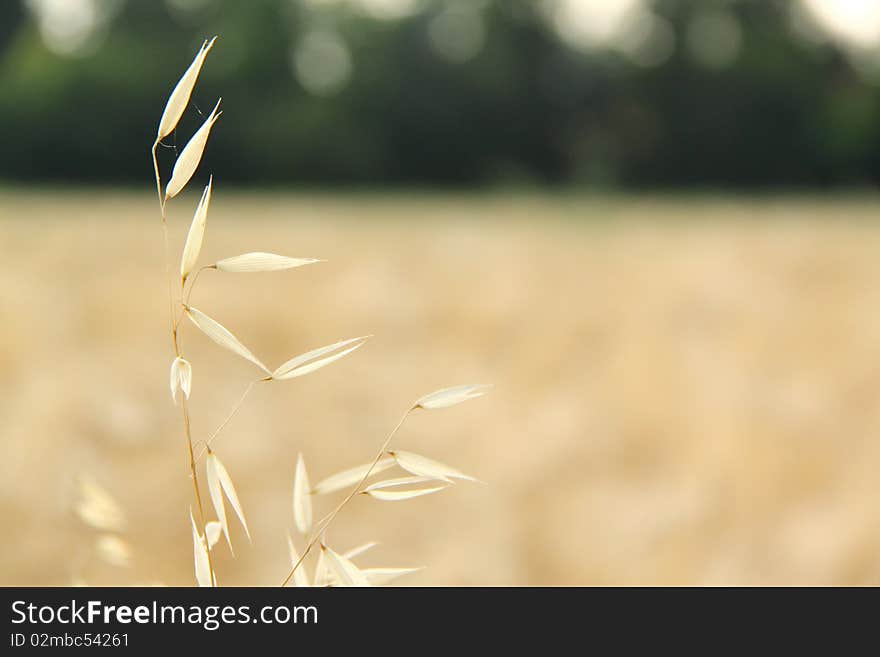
(196, 235)
(180, 95)
(302, 498)
(181, 378)
(190, 156)
(258, 261)
(219, 334)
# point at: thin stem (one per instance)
(232, 413)
(158, 179)
(175, 345)
(187, 293)
(193, 281)
(195, 480)
(324, 524)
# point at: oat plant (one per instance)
(423, 476)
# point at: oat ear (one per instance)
(346, 572)
(180, 378)
(259, 261)
(452, 396)
(191, 155)
(216, 493)
(113, 550)
(422, 466)
(196, 234)
(302, 498)
(359, 550)
(382, 576)
(220, 484)
(317, 358)
(385, 490)
(97, 508)
(204, 576)
(219, 334)
(180, 95)
(350, 477)
(213, 530)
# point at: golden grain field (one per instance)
(686, 390)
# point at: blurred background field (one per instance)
(685, 389)
(652, 224)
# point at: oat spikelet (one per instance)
(216, 492)
(382, 576)
(113, 550)
(196, 234)
(345, 571)
(181, 377)
(219, 334)
(323, 576)
(383, 490)
(179, 98)
(451, 396)
(212, 532)
(200, 556)
(350, 477)
(191, 155)
(97, 508)
(302, 498)
(422, 466)
(220, 483)
(316, 358)
(258, 261)
(359, 550)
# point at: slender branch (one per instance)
(232, 413)
(324, 524)
(194, 279)
(158, 179)
(187, 293)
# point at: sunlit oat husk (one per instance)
(200, 556)
(181, 377)
(97, 508)
(323, 576)
(258, 261)
(216, 492)
(451, 396)
(385, 490)
(191, 155)
(113, 550)
(180, 95)
(196, 234)
(316, 359)
(350, 477)
(345, 571)
(300, 577)
(397, 482)
(219, 480)
(382, 576)
(359, 550)
(401, 495)
(219, 334)
(302, 498)
(212, 531)
(422, 466)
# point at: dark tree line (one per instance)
(527, 108)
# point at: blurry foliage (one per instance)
(526, 107)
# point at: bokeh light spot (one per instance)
(322, 62)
